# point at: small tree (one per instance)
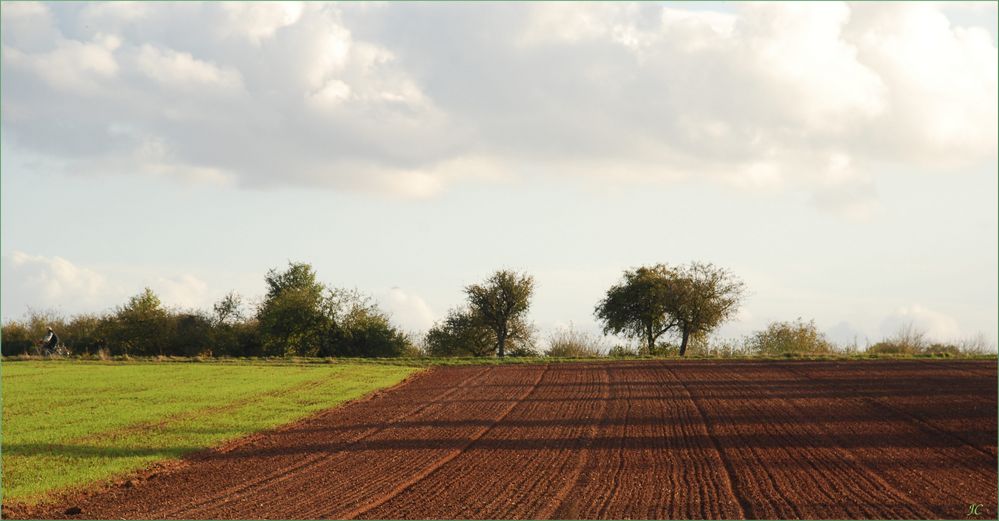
(228, 310)
(226, 320)
(291, 317)
(705, 296)
(641, 305)
(141, 326)
(500, 304)
(652, 301)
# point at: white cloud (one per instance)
(181, 70)
(409, 311)
(258, 21)
(48, 282)
(73, 67)
(379, 98)
(185, 291)
(40, 282)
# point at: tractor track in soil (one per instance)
(626, 439)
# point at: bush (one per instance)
(722, 348)
(571, 343)
(909, 340)
(83, 334)
(978, 344)
(522, 349)
(663, 349)
(622, 351)
(15, 339)
(781, 338)
(370, 335)
(459, 334)
(190, 334)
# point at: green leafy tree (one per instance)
(141, 326)
(228, 310)
(687, 301)
(641, 305)
(500, 304)
(226, 321)
(291, 317)
(705, 297)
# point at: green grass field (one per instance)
(67, 423)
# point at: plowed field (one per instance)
(644, 439)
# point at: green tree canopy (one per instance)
(460, 334)
(641, 305)
(141, 325)
(301, 316)
(686, 300)
(500, 304)
(291, 316)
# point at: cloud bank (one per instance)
(409, 99)
(60, 285)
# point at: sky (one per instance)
(841, 159)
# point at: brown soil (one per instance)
(649, 439)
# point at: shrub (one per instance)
(83, 334)
(622, 351)
(909, 340)
(662, 349)
(721, 348)
(522, 349)
(460, 334)
(978, 344)
(370, 335)
(572, 343)
(797, 337)
(190, 334)
(15, 339)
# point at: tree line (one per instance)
(301, 316)
(666, 309)
(298, 316)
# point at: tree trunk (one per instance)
(501, 345)
(683, 343)
(650, 339)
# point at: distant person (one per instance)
(51, 340)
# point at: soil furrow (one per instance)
(351, 514)
(558, 503)
(745, 507)
(381, 462)
(926, 471)
(254, 485)
(875, 495)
